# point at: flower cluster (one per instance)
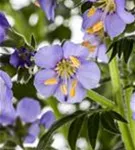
(107, 16)
(21, 57)
(97, 49)
(28, 110)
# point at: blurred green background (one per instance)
(28, 19)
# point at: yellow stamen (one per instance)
(97, 27)
(90, 30)
(73, 88)
(51, 81)
(63, 89)
(72, 92)
(75, 61)
(91, 12)
(90, 47)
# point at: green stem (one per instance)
(53, 104)
(100, 99)
(128, 93)
(118, 97)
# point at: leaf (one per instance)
(9, 145)
(23, 74)
(108, 123)
(122, 46)
(15, 40)
(117, 116)
(3, 136)
(114, 53)
(130, 28)
(9, 69)
(119, 50)
(4, 59)
(93, 127)
(24, 89)
(128, 49)
(12, 43)
(43, 143)
(74, 131)
(33, 41)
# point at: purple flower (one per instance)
(67, 72)
(110, 15)
(21, 58)
(48, 7)
(28, 110)
(4, 25)
(33, 133)
(7, 112)
(47, 119)
(97, 49)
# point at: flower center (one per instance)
(107, 5)
(67, 67)
(24, 56)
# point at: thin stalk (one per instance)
(53, 104)
(117, 92)
(127, 97)
(131, 122)
(100, 99)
